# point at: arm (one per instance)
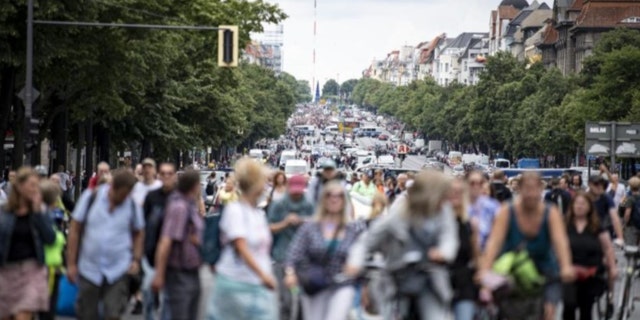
(560, 240)
(276, 223)
(607, 249)
(240, 246)
(475, 244)
(627, 215)
(496, 239)
(162, 257)
(448, 241)
(44, 225)
(298, 246)
(615, 221)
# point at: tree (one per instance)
(303, 91)
(330, 88)
(346, 88)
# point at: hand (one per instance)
(618, 242)
(72, 273)
(36, 202)
(351, 271)
(435, 255)
(134, 268)
(567, 274)
(290, 281)
(293, 219)
(269, 282)
(158, 283)
(613, 273)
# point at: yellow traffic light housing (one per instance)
(228, 46)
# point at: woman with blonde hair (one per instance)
(24, 230)
(245, 284)
(462, 269)
(418, 238)
(317, 257)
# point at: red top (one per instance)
(93, 182)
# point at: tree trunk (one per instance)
(89, 153)
(7, 87)
(103, 141)
(145, 151)
(19, 134)
(79, 145)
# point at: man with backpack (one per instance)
(632, 213)
(558, 196)
(154, 212)
(105, 247)
(178, 257)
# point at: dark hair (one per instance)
(593, 221)
(123, 179)
(278, 175)
(188, 180)
(15, 197)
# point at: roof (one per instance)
(544, 6)
(508, 12)
(577, 5)
(608, 14)
(427, 53)
(464, 40)
(517, 21)
(519, 4)
(536, 19)
(550, 36)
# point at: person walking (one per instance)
(590, 246)
(24, 230)
(105, 247)
(245, 285)
(324, 244)
(285, 217)
(178, 255)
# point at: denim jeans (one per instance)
(148, 297)
(464, 310)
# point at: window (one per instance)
(631, 20)
(446, 67)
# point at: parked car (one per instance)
(383, 137)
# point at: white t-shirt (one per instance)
(242, 221)
(140, 191)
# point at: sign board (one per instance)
(600, 137)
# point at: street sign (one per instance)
(601, 137)
(23, 94)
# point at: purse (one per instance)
(313, 278)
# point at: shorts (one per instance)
(553, 292)
(114, 297)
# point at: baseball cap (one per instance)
(329, 164)
(297, 184)
(149, 162)
(597, 180)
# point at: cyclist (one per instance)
(528, 218)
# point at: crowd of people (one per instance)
(432, 246)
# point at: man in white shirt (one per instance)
(149, 182)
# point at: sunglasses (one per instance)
(335, 195)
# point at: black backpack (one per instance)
(211, 188)
(153, 230)
(635, 212)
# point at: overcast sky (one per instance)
(351, 33)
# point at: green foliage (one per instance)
(159, 86)
(330, 88)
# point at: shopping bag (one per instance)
(67, 295)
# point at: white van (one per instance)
(287, 155)
(295, 167)
(256, 154)
(331, 130)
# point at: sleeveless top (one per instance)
(539, 247)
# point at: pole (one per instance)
(28, 101)
(613, 147)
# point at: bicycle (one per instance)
(631, 254)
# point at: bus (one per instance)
(286, 156)
(369, 132)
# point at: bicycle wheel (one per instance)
(625, 310)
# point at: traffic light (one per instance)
(228, 46)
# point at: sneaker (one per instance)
(137, 309)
